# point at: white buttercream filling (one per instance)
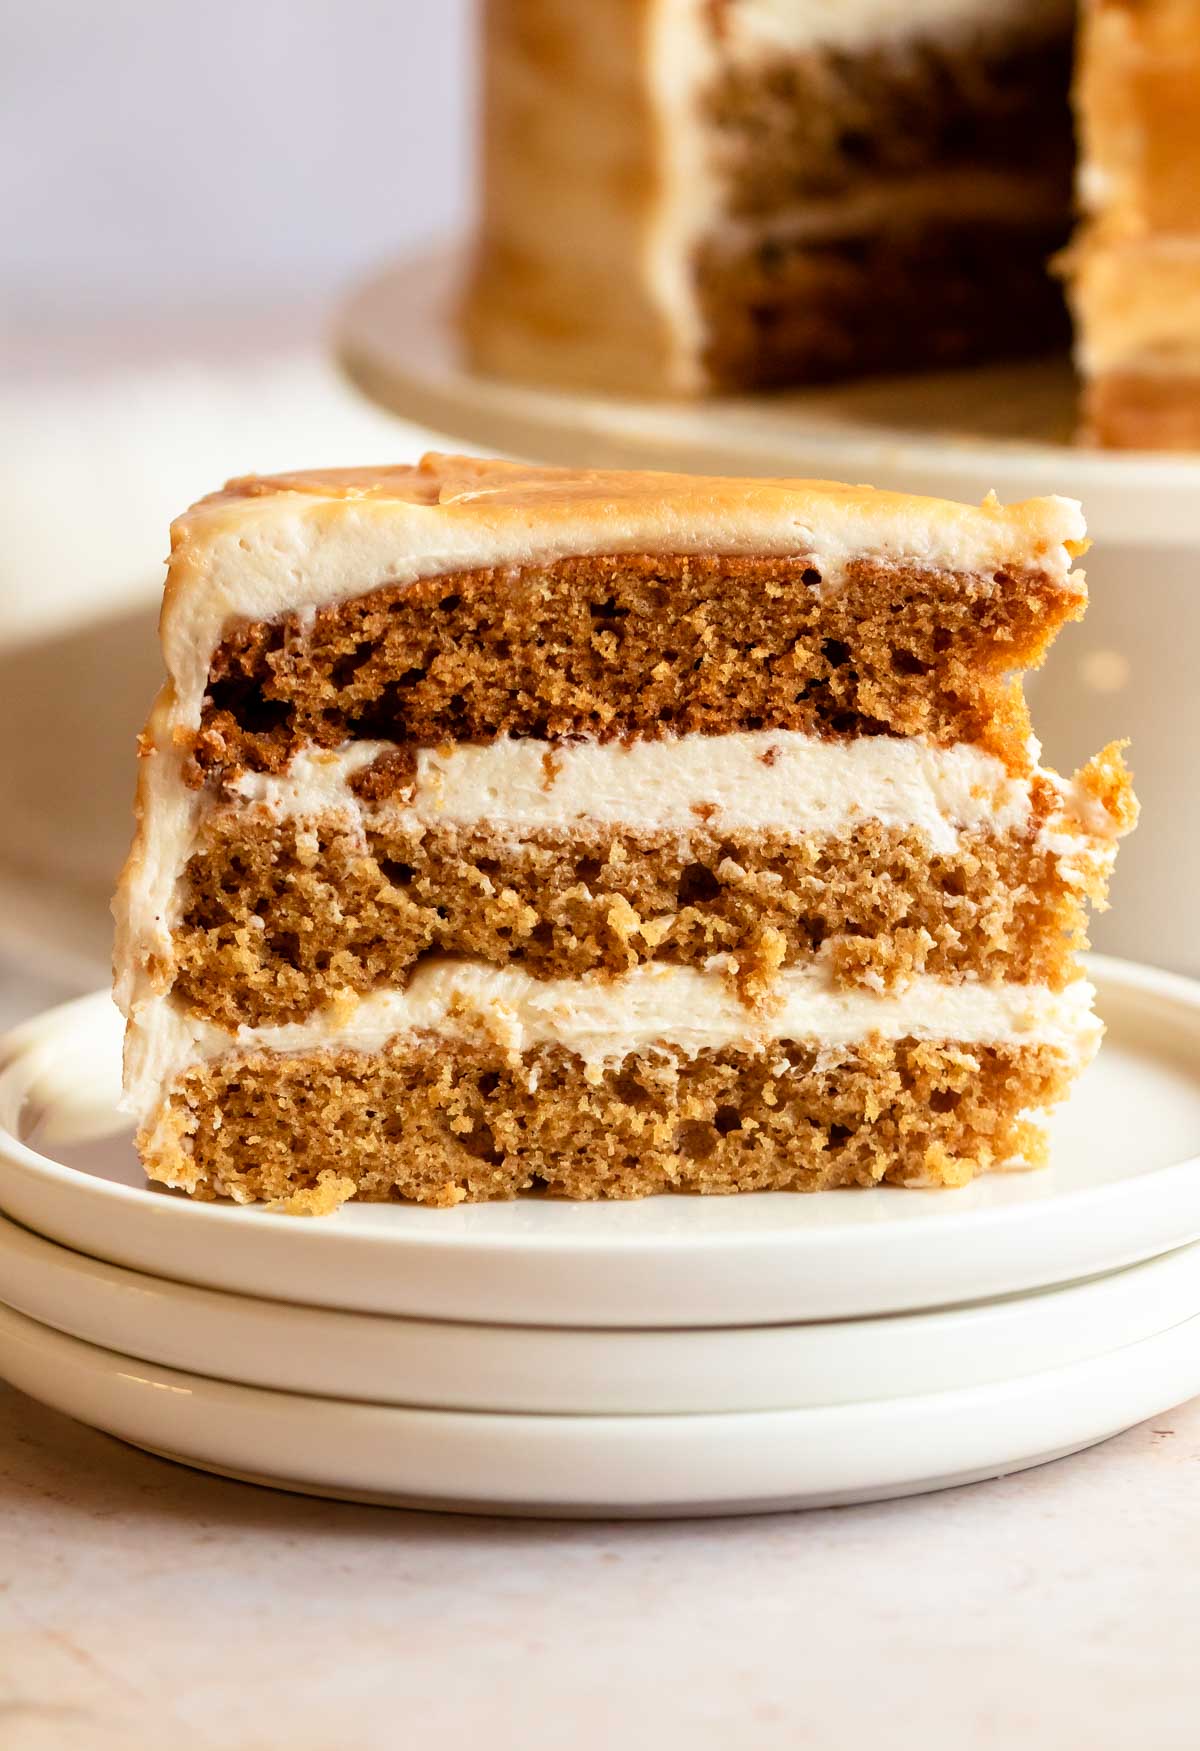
(945, 194)
(757, 27)
(603, 1021)
(754, 781)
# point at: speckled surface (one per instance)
(143, 1606)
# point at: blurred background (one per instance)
(187, 191)
(159, 158)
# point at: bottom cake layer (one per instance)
(443, 1120)
(935, 294)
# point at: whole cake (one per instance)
(681, 196)
(506, 828)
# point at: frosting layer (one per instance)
(656, 1004)
(756, 780)
(756, 27)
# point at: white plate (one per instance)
(581, 1371)
(955, 434)
(603, 1465)
(1124, 1186)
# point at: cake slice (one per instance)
(506, 828)
(1135, 267)
(689, 195)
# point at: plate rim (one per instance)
(436, 1364)
(865, 1451)
(188, 1378)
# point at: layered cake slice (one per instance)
(686, 195)
(506, 828)
(1135, 269)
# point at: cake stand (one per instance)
(955, 434)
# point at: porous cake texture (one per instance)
(681, 195)
(1135, 268)
(505, 829)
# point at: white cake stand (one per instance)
(951, 434)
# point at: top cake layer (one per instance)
(266, 547)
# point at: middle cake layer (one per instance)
(751, 852)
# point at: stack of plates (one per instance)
(682, 1355)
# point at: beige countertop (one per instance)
(146, 1606)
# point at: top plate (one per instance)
(1124, 1185)
(953, 434)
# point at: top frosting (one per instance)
(268, 546)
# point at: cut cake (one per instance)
(680, 195)
(505, 828)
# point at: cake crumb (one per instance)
(331, 1191)
(1105, 782)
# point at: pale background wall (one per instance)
(187, 189)
(201, 153)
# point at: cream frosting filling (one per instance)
(753, 28)
(756, 781)
(943, 196)
(603, 1021)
